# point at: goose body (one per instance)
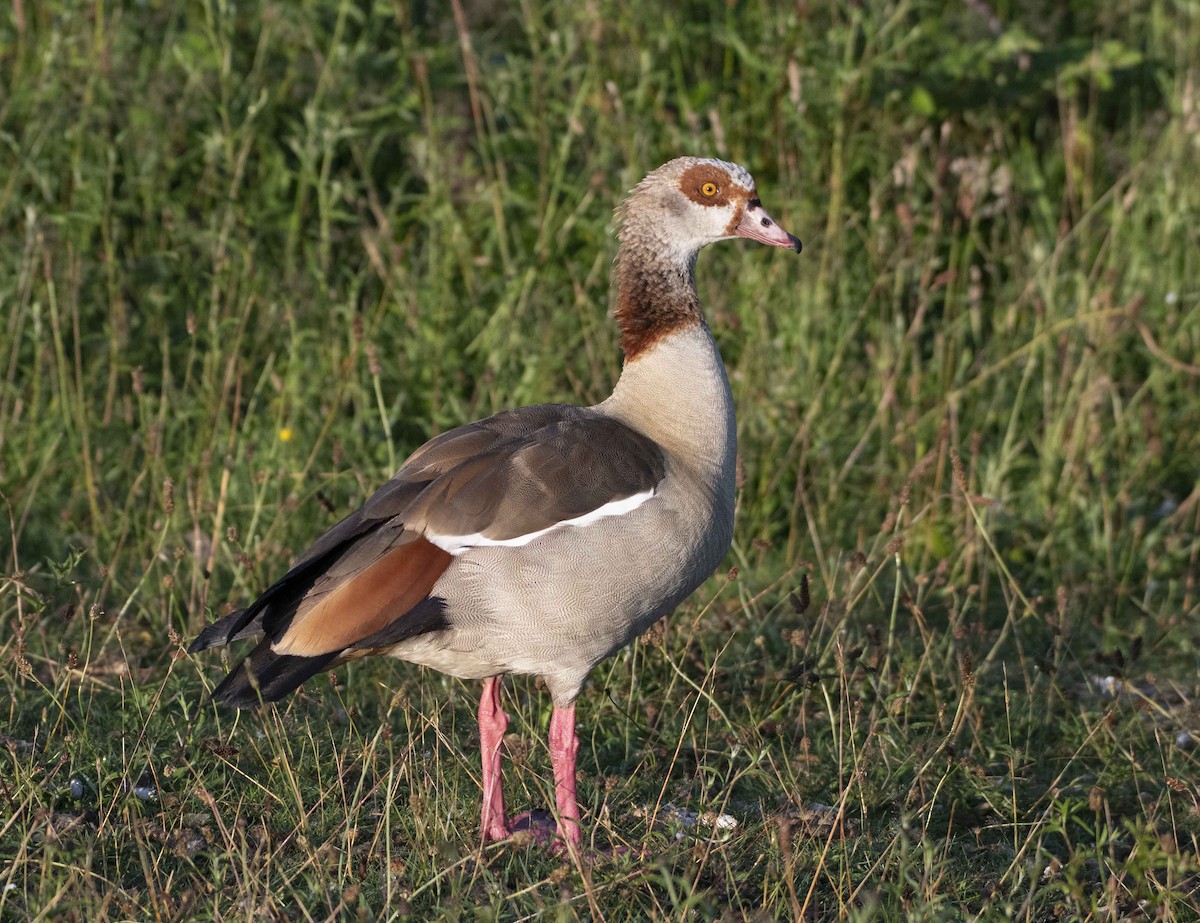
(543, 539)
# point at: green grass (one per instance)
(252, 256)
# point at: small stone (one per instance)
(144, 789)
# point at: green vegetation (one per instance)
(255, 253)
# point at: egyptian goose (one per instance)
(540, 540)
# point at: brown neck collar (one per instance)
(656, 295)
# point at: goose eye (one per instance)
(709, 189)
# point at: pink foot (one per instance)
(564, 747)
(563, 837)
(541, 829)
(493, 722)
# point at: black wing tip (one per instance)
(218, 634)
(265, 676)
(245, 623)
(207, 639)
(240, 694)
(237, 690)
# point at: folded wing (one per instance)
(369, 583)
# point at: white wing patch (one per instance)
(457, 544)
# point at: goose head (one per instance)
(690, 202)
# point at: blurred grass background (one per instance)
(256, 253)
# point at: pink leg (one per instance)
(564, 746)
(493, 722)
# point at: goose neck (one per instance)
(656, 291)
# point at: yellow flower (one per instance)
(285, 434)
